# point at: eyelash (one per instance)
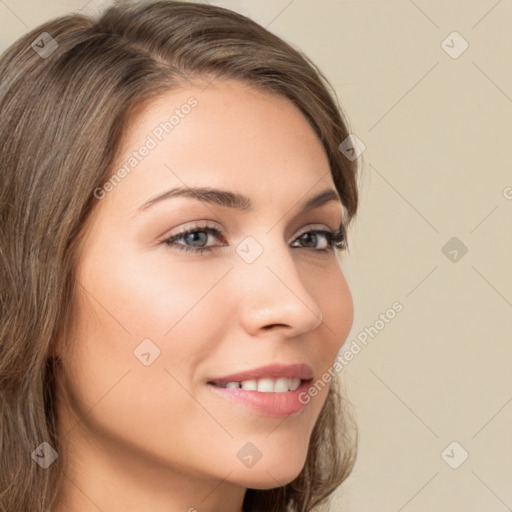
(335, 239)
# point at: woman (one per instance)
(173, 202)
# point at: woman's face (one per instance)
(157, 322)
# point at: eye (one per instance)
(333, 239)
(198, 237)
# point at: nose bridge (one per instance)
(273, 290)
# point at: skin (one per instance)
(136, 437)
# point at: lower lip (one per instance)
(269, 404)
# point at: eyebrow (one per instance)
(235, 200)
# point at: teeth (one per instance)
(294, 384)
(250, 385)
(266, 386)
(281, 385)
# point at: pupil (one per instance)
(311, 237)
(193, 237)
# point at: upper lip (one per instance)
(271, 371)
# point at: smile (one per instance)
(281, 385)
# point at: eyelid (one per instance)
(195, 226)
(314, 227)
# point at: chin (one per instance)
(264, 481)
(269, 475)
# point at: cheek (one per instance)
(335, 301)
(149, 292)
(133, 309)
(110, 393)
(142, 313)
(340, 308)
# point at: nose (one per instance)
(274, 297)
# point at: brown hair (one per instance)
(64, 109)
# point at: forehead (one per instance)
(228, 134)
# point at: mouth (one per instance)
(267, 385)
(270, 378)
(274, 390)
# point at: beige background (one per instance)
(437, 165)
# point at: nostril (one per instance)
(268, 327)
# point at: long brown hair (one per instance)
(65, 99)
